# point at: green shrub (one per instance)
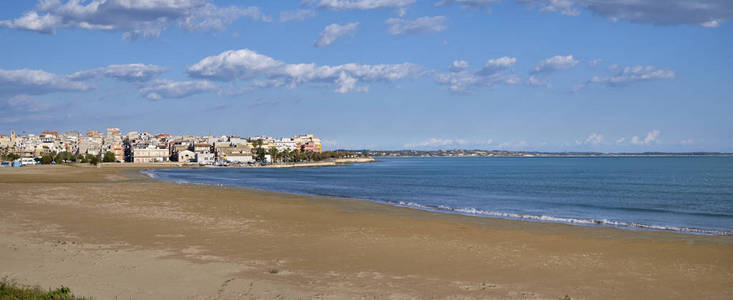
(109, 157)
(10, 290)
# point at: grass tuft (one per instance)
(11, 290)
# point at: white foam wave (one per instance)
(149, 173)
(545, 218)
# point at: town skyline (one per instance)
(582, 77)
(114, 145)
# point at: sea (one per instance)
(686, 194)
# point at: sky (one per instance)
(529, 75)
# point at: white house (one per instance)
(186, 156)
(205, 158)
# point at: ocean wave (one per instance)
(149, 173)
(552, 219)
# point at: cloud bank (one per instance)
(705, 13)
(363, 4)
(176, 89)
(136, 18)
(296, 15)
(334, 32)
(246, 64)
(461, 79)
(468, 4)
(36, 82)
(399, 26)
(129, 73)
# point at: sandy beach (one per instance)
(114, 233)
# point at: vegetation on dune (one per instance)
(10, 290)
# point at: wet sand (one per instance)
(111, 232)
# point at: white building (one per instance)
(186, 156)
(238, 158)
(205, 158)
(285, 144)
(149, 155)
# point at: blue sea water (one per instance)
(683, 194)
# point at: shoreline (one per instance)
(192, 165)
(478, 213)
(136, 237)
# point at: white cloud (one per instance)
(595, 62)
(651, 137)
(565, 7)
(176, 89)
(459, 65)
(496, 65)
(461, 79)
(706, 13)
(363, 4)
(129, 73)
(36, 82)
(246, 64)
(555, 63)
(550, 65)
(536, 81)
(437, 143)
(24, 108)
(711, 23)
(620, 141)
(629, 75)
(23, 104)
(297, 15)
(399, 26)
(334, 32)
(594, 139)
(134, 17)
(468, 4)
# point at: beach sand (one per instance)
(113, 233)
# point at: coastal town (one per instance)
(112, 146)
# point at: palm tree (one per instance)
(273, 154)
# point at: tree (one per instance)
(67, 156)
(46, 159)
(94, 160)
(260, 154)
(109, 157)
(11, 156)
(273, 154)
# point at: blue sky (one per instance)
(568, 75)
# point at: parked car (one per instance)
(27, 161)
